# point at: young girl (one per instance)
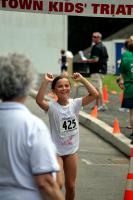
(64, 124)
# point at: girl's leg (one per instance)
(60, 174)
(70, 170)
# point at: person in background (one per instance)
(63, 61)
(98, 66)
(126, 70)
(64, 124)
(28, 163)
(119, 79)
(126, 52)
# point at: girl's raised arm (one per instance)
(41, 92)
(92, 92)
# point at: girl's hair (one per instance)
(56, 80)
(16, 76)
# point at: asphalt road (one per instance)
(102, 169)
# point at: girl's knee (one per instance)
(70, 187)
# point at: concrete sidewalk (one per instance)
(120, 141)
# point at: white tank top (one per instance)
(64, 125)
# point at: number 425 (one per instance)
(69, 124)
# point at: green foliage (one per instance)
(110, 81)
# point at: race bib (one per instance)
(68, 126)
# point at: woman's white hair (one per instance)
(16, 76)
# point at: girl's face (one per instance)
(62, 89)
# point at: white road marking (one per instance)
(88, 162)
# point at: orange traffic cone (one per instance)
(113, 92)
(121, 97)
(105, 94)
(116, 128)
(129, 187)
(94, 112)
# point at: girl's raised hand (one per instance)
(49, 77)
(77, 76)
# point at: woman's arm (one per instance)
(93, 60)
(93, 93)
(48, 187)
(120, 81)
(40, 96)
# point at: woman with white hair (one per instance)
(27, 158)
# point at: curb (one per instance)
(106, 132)
(100, 128)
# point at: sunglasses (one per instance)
(95, 36)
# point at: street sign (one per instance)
(92, 8)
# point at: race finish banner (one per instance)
(92, 8)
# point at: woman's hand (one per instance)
(121, 85)
(120, 82)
